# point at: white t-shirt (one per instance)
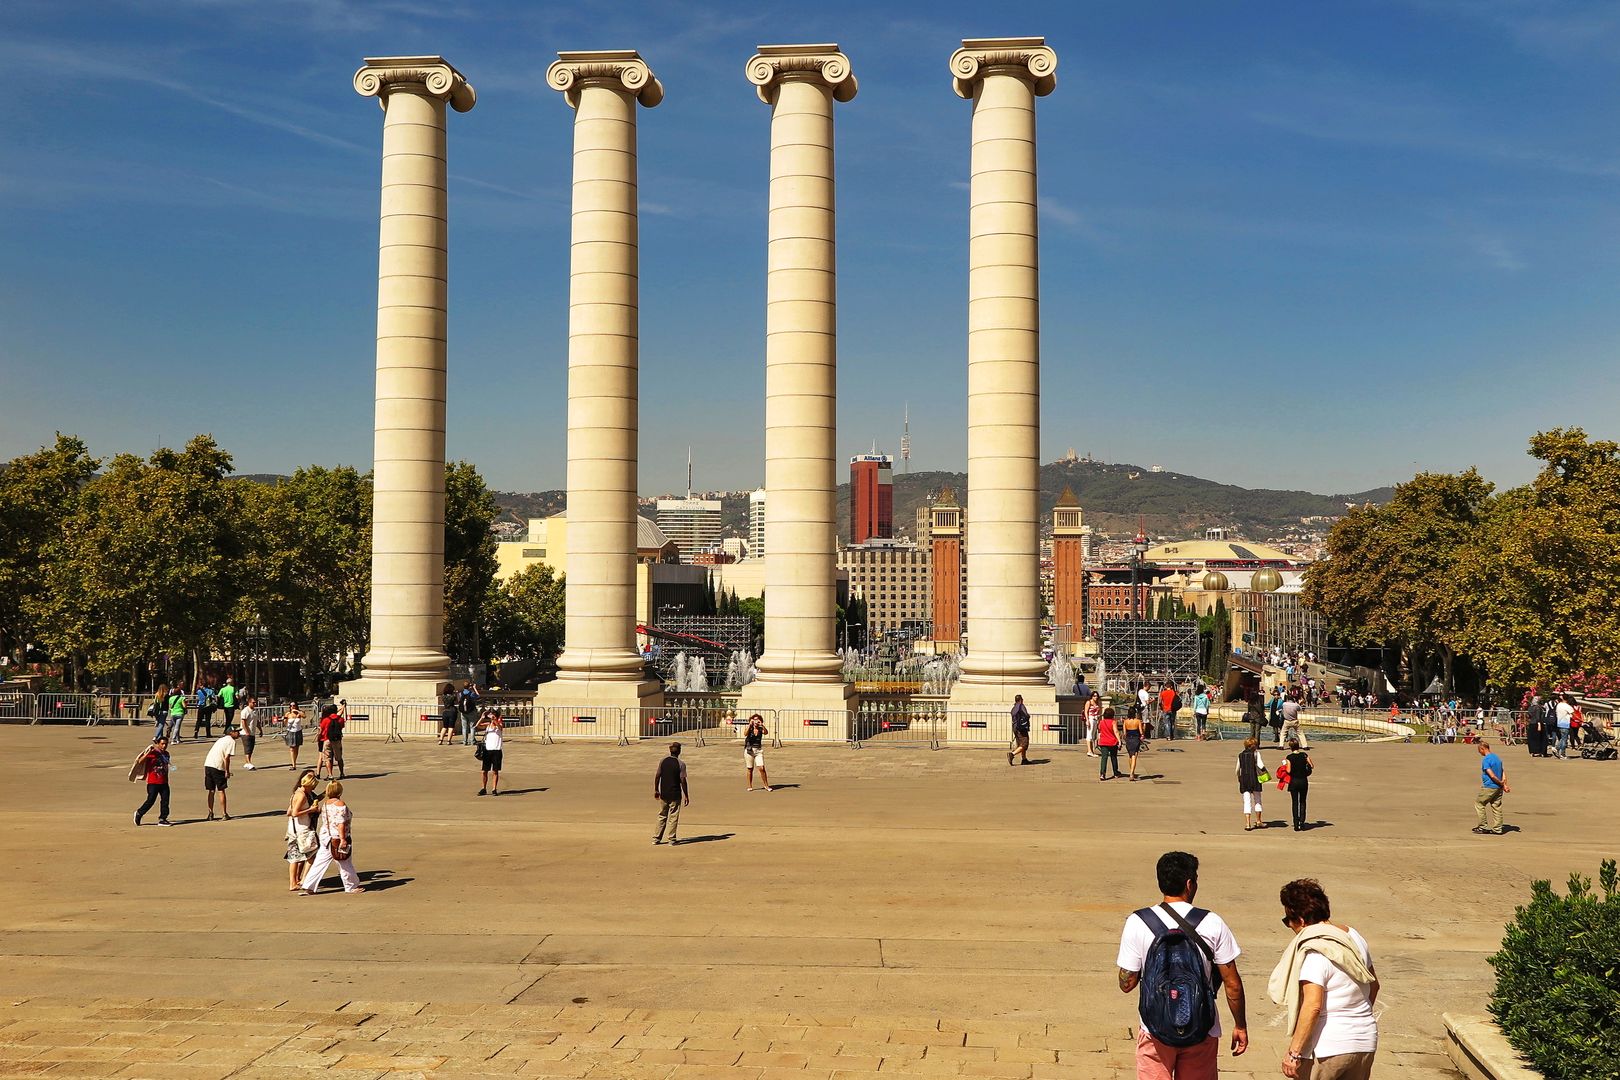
(219, 755)
(249, 721)
(1134, 942)
(492, 738)
(1347, 1024)
(1566, 713)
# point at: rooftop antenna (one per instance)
(688, 472)
(905, 442)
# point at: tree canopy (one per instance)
(172, 555)
(1525, 583)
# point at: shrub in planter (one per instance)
(1557, 996)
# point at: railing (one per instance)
(703, 718)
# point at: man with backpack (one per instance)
(1169, 705)
(205, 711)
(1020, 731)
(1177, 954)
(467, 708)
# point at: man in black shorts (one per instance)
(217, 771)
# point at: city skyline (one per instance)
(1238, 210)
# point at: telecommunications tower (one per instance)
(905, 442)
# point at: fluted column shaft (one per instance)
(1004, 384)
(801, 389)
(603, 342)
(407, 547)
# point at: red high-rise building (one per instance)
(871, 498)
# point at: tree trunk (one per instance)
(1448, 660)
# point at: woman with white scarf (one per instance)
(1327, 980)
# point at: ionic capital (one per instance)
(617, 69)
(431, 76)
(821, 63)
(1028, 58)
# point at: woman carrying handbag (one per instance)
(337, 844)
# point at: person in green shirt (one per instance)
(227, 701)
(177, 712)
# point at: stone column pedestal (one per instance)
(1002, 77)
(600, 664)
(800, 668)
(406, 660)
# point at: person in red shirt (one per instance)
(154, 766)
(1169, 705)
(323, 762)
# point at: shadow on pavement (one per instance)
(705, 839)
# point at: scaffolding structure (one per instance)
(1157, 650)
(713, 637)
(1276, 620)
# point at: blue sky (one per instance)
(1289, 245)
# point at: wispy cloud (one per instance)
(1496, 252)
(1557, 29)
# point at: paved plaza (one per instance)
(885, 911)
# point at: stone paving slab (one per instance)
(202, 1038)
(894, 908)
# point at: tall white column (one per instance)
(800, 667)
(600, 664)
(1002, 77)
(407, 658)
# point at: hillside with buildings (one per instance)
(1114, 497)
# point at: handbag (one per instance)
(1265, 776)
(478, 751)
(339, 852)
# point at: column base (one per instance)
(594, 708)
(415, 690)
(803, 712)
(973, 705)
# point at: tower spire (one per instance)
(905, 441)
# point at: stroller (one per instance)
(1597, 744)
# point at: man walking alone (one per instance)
(669, 788)
(1020, 732)
(1492, 786)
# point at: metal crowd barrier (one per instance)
(569, 722)
(892, 727)
(693, 720)
(967, 728)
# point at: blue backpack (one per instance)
(1177, 992)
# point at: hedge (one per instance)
(1557, 996)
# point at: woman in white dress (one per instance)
(302, 810)
(337, 844)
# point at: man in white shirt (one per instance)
(1155, 1060)
(217, 771)
(1565, 714)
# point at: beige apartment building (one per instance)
(895, 578)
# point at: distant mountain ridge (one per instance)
(1114, 497)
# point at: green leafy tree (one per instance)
(307, 584)
(38, 493)
(1542, 576)
(149, 561)
(524, 617)
(1390, 571)
(469, 557)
